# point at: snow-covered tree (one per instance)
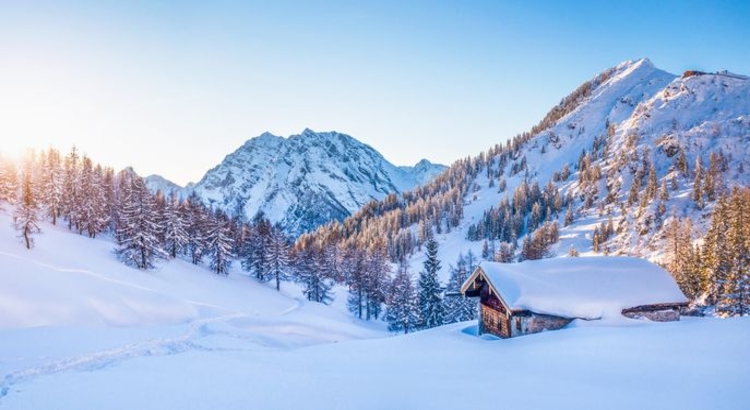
(51, 184)
(91, 212)
(8, 181)
(175, 227)
(277, 256)
(138, 243)
(218, 243)
(402, 313)
(310, 272)
(459, 308)
(254, 258)
(25, 214)
(430, 294)
(70, 194)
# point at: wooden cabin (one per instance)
(532, 296)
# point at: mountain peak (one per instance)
(632, 64)
(306, 180)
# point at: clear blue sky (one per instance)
(172, 87)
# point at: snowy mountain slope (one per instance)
(80, 330)
(651, 113)
(307, 179)
(632, 115)
(71, 280)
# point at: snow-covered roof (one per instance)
(585, 287)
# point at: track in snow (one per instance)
(98, 360)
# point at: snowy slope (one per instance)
(698, 114)
(71, 280)
(79, 330)
(306, 180)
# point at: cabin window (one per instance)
(518, 324)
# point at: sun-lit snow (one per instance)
(80, 330)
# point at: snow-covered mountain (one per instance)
(306, 180)
(597, 149)
(159, 183)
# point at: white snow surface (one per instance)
(79, 330)
(586, 287)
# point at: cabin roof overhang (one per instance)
(469, 289)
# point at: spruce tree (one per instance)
(459, 308)
(310, 272)
(402, 313)
(430, 300)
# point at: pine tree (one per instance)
(138, 243)
(51, 184)
(219, 243)
(430, 301)
(25, 215)
(8, 181)
(91, 212)
(175, 233)
(309, 270)
(277, 256)
(697, 184)
(255, 259)
(459, 308)
(402, 313)
(734, 293)
(196, 214)
(505, 253)
(569, 214)
(70, 194)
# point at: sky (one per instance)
(171, 87)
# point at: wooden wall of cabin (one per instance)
(493, 317)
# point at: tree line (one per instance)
(148, 227)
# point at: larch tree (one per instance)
(175, 227)
(25, 214)
(8, 181)
(277, 256)
(138, 243)
(219, 243)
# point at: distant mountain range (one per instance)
(301, 181)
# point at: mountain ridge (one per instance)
(304, 180)
(594, 150)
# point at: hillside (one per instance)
(80, 330)
(623, 148)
